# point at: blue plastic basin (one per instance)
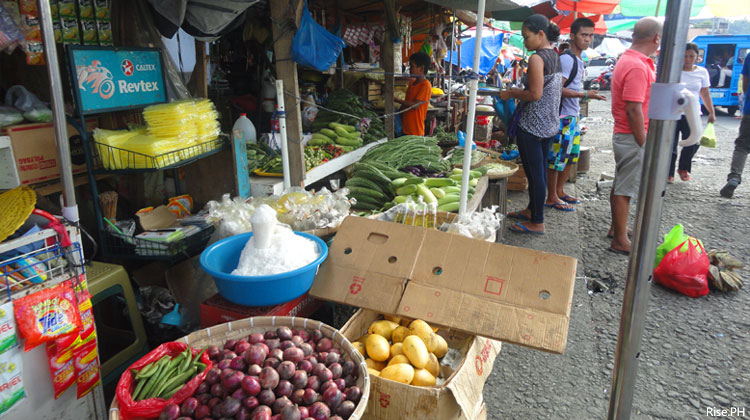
(221, 258)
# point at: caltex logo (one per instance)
(127, 67)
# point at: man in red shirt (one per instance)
(631, 91)
(418, 95)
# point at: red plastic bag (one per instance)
(685, 271)
(152, 407)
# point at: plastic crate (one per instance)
(124, 246)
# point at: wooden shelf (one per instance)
(56, 187)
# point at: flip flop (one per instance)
(618, 251)
(570, 200)
(519, 228)
(518, 216)
(559, 206)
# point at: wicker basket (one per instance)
(242, 328)
(514, 168)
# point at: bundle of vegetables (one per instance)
(164, 377)
(257, 155)
(272, 166)
(444, 192)
(280, 374)
(342, 100)
(458, 156)
(405, 151)
(444, 138)
(339, 134)
(370, 184)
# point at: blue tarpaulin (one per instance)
(491, 46)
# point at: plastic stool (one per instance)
(105, 281)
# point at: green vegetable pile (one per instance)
(407, 151)
(257, 155)
(338, 134)
(443, 137)
(164, 377)
(314, 157)
(343, 100)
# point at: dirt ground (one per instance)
(695, 352)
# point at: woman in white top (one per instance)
(697, 81)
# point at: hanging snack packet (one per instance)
(61, 368)
(47, 315)
(12, 392)
(87, 367)
(7, 327)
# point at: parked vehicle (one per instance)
(602, 82)
(595, 68)
(725, 53)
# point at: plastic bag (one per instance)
(9, 116)
(151, 408)
(672, 239)
(61, 368)
(313, 46)
(685, 270)
(22, 99)
(708, 139)
(11, 376)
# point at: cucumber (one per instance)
(449, 198)
(407, 190)
(437, 192)
(439, 182)
(483, 169)
(340, 132)
(452, 189)
(413, 180)
(473, 182)
(457, 171)
(366, 206)
(349, 128)
(363, 182)
(400, 199)
(426, 194)
(449, 207)
(368, 192)
(456, 177)
(371, 173)
(388, 205)
(475, 174)
(398, 182)
(361, 198)
(346, 141)
(328, 133)
(317, 141)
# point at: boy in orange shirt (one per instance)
(420, 90)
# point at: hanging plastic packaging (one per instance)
(313, 46)
(11, 368)
(47, 315)
(708, 139)
(7, 327)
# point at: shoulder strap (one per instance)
(573, 71)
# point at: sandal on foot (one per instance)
(618, 251)
(570, 200)
(560, 206)
(519, 228)
(518, 215)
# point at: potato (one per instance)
(397, 349)
(401, 372)
(415, 350)
(378, 348)
(396, 319)
(372, 364)
(422, 377)
(360, 348)
(400, 358)
(399, 334)
(383, 327)
(373, 372)
(433, 366)
(423, 330)
(442, 347)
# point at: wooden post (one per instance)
(200, 72)
(286, 70)
(387, 60)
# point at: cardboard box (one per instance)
(517, 295)
(459, 397)
(35, 153)
(217, 310)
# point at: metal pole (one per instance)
(648, 217)
(282, 131)
(450, 65)
(70, 209)
(473, 83)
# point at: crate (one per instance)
(518, 181)
(217, 310)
